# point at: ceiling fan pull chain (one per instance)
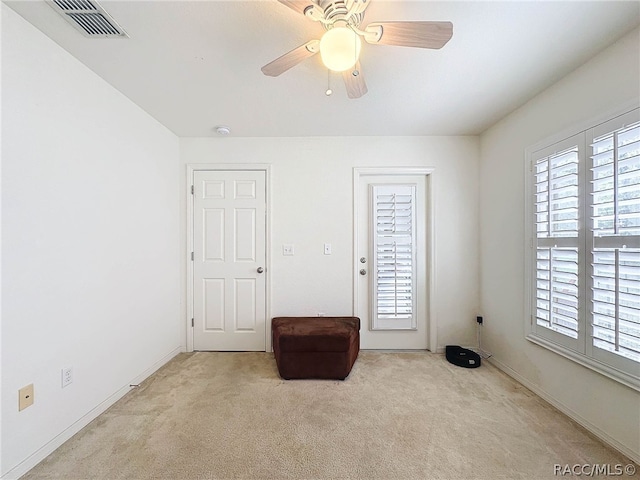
(355, 72)
(329, 91)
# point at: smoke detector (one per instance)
(223, 131)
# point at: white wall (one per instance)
(92, 233)
(609, 80)
(311, 203)
(90, 274)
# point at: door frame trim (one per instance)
(428, 173)
(221, 167)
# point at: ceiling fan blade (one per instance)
(297, 5)
(356, 87)
(411, 34)
(291, 59)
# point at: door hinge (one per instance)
(192, 323)
(192, 256)
(191, 189)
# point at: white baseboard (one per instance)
(606, 438)
(46, 450)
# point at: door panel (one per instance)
(245, 235)
(213, 219)
(229, 260)
(245, 307)
(213, 308)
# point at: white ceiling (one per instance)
(195, 65)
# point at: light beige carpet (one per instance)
(397, 416)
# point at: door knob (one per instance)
(363, 272)
(260, 269)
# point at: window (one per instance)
(584, 204)
(394, 261)
(557, 242)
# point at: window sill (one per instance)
(612, 373)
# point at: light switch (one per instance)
(287, 250)
(327, 249)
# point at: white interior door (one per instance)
(229, 281)
(391, 262)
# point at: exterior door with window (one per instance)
(391, 262)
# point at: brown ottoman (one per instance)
(315, 347)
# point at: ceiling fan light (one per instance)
(340, 48)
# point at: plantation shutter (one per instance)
(584, 208)
(557, 221)
(615, 252)
(394, 264)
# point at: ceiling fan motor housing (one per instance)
(349, 11)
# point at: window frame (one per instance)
(581, 351)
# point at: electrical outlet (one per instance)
(67, 376)
(25, 397)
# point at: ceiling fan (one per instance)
(340, 45)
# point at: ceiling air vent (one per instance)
(88, 17)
